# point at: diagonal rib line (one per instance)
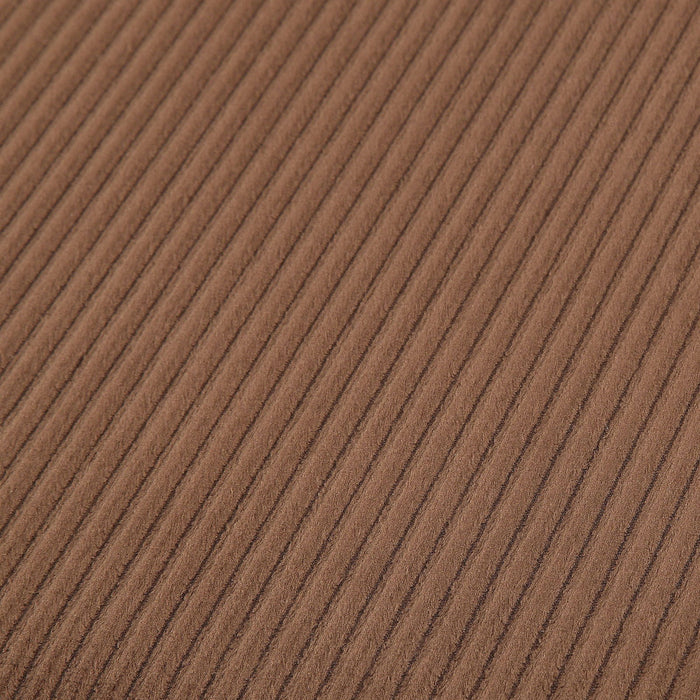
(599, 373)
(341, 517)
(535, 427)
(660, 623)
(599, 515)
(642, 581)
(108, 178)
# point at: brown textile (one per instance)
(349, 348)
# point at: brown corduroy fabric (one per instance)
(349, 349)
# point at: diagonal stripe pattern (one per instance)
(349, 349)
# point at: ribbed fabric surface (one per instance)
(349, 349)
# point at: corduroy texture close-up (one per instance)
(349, 349)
